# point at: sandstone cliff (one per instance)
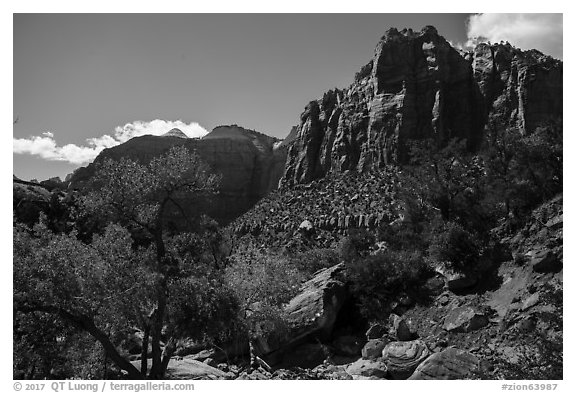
(250, 163)
(418, 86)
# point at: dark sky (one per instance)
(79, 76)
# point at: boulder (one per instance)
(543, 260)
(457, 281)
(332, 372)
(314, 310)
(373, 348)
(531, 301)
(310, 314)
(306, 226)
(367, 369)
(465, 319)
(402, 357)
(375, 331)
(186, 368)
(400, 329)
(451, 363)
(255, 375)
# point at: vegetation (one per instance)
(112, 284)
(105, 278)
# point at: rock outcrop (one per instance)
(451, 363)
(251, 165)
(367, 369)
(311, 315)
(402, 357)
(418, 86)
(465, 319)
(314, 310)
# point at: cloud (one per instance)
(525, 31)
(45, 146)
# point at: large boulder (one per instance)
(187, 368)
(310, 315)
(402, 357)
(400, 329)
(451, 363)
(367, 369)
(314, 311)
(465, 319)
(373, 348)
(543, 260)
(457, 281)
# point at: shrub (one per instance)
(377, 279)
(262, 283)
(309, 262)
(453, 246)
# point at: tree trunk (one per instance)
(86, 323)
(161, 297)
(167, 355)
(144, 356)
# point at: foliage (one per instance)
(99, 287)
(377, 279)
(137, 195)
(448, 179)
(522, 170)
(111, 285)
(309, 262)
(263, 283)
(453, 246)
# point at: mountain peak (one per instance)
(176, 132)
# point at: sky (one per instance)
(84, 82)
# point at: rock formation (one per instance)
(418, 86)
(250, 163)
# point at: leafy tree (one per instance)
(263, 283)
(108, 285)
(522, 170)
(377, 279)
(99, 288)
(449, 179)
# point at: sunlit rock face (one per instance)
(418, 86)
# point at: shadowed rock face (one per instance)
(418, 86)
(250, 163)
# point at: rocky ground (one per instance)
(331, 206)
(504, 325)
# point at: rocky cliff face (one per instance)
(418, 86)
(250, 163)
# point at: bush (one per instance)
(263, 284)
(453, 246)
(309, 262)
(377, 279)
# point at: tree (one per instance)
(522, 170)
(96, 287)
(263, 283)
(449, 179)
(136, 196)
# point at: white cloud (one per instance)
(45, 146)
(525, 31)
